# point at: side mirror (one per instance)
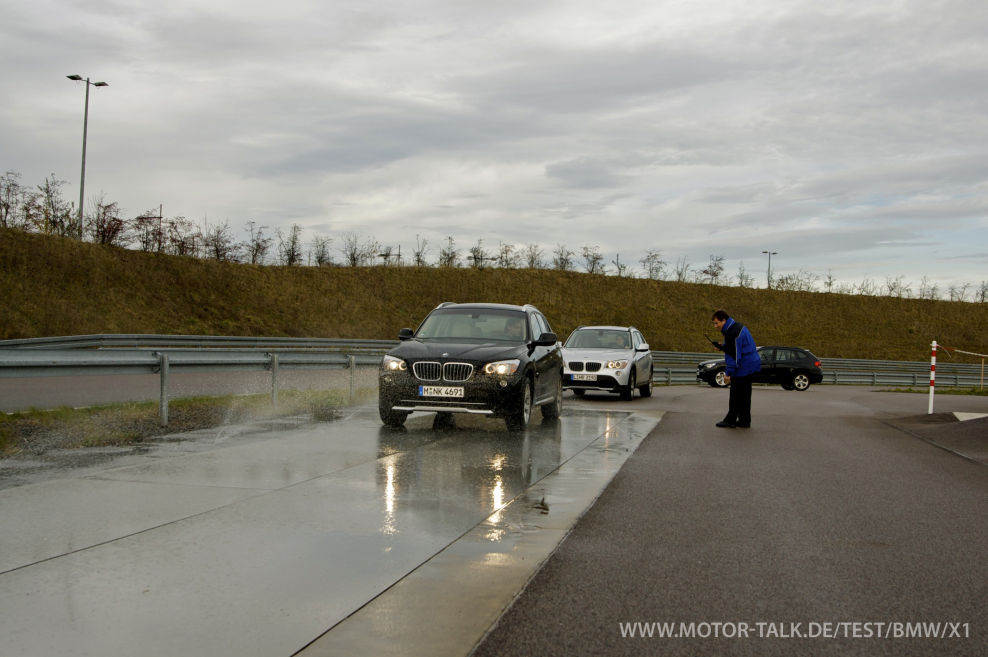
(643, 347)
(546, 340)
(405, 334)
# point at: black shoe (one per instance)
(726, 424)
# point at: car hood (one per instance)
(480, 352)
(602, 355)
(714, 361)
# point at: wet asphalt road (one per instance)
(257, 544)
(821, 513)
(349, 539)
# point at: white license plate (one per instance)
(440, 391)
(584, 377)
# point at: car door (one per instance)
(785, 365)
(767, 373)
(548, 360)
(643, 359)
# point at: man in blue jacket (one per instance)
(742, 363)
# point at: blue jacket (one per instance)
(739, 350)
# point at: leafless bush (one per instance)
(257, 245)
(148, 232)
(478, 255)
(532, 256)
(507, 256)
(218, 243)
(714, 269)
(681, 271)
(290, 246)
(653, 265)
(182, 237)
(105, 226)
(449, 256)
(593, 262)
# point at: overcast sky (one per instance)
(847, 136)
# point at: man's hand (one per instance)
(727, 379)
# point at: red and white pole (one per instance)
(933, 375)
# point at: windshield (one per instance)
(473, 324)
(598, 339)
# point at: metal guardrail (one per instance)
(40, 362)
(158, 354)
(154, 341)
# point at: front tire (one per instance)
(629, 392)
(646, 390)
(553, 409)
(719, 381)
(390, 417)
(520, 418)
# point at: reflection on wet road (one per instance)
(261, 546)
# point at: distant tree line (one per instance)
(43, 209)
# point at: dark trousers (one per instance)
(739, 407)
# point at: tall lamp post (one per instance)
(769, 274)
(85, 128)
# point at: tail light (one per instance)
(817, 363)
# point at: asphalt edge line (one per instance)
(935, 444)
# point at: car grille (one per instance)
(593, 367)
(457, 371)
(433, 371)
(579, 366)
(576, 366)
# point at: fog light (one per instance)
(504, 384)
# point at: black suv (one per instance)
(483, 358)
(791, 367)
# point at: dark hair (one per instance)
(721, 315)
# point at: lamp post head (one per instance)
(101, 84)
(77, 78)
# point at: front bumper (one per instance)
(603, 379)
(482, 395)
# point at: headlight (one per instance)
(392, 364)
(707, 366)
(617, 364)
(502, 367)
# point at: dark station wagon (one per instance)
(792, 368)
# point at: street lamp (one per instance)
(85, 127)
(769, 275)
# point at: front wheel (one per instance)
(719, 379)
(646, 390)
(391, 417)
(553, 409)
(520, 418)
(800, 381)
(628, 392)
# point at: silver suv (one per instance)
(608, 358)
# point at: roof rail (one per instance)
(446, 303)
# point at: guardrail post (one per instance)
(163, 403)
(351, 363)
(274, 379)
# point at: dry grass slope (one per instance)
(55, 286)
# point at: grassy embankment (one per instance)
(53, 286)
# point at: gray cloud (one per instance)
(845, 135)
